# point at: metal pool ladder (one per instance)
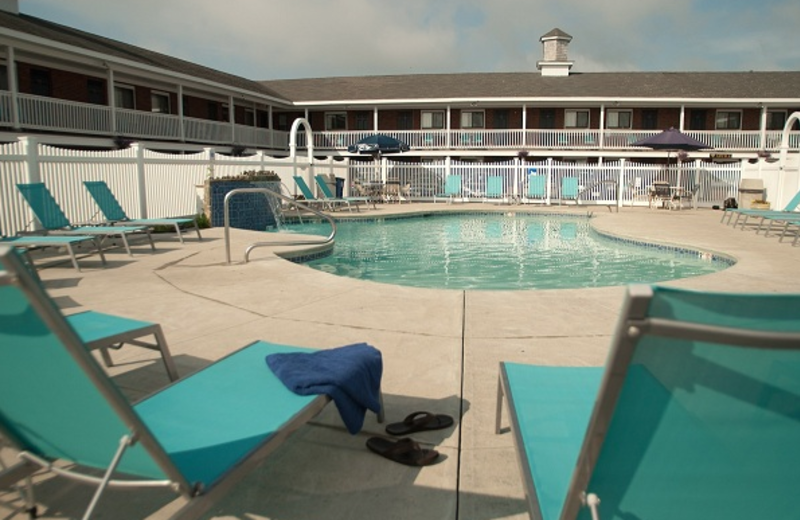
(268, 192)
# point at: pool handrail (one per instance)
(254, 245)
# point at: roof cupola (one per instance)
(555, 61)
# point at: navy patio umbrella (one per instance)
(378, 143)
(671, 139)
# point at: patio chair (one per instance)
(52, 218)
(661, 195)
(114, 214)
(495, 191)
(310, 199)
(29, 242)
(537, 189)
(570, 190)
(198, 436)
(694, 416)
(333, 199)
(452, 189)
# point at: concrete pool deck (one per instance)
(441, 350)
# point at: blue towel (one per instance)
(350, 375)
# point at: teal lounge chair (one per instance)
(333, 199)
(790, 209)
(537, 189)
(28, 242)
(114, 214)
(310, 199)
(569, 189)
(494, 190)
(452, 189)
(198, 436)
(52, 218)
(695, 415)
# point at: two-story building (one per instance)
(81, 89)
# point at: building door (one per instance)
(697, 120)
(547, 118)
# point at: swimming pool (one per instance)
(499, 251)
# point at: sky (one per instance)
(280, 39)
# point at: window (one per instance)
(40, 82)
(159, 102)
(96, 91)
(472, 119)
(363, 120)
(336, 121)
(124, 97)
(728, 120)
(501, 119)
(618, 119)
(776, 119)
(649, 119)
(249, 117)
(226, 113)
(547, 118)
(432, 119)
(576, 119)
(405, 120)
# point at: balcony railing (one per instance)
(55, 115)
(518, 140)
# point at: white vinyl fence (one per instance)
(153, 184)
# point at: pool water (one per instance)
(498, 251)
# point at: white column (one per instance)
(11, 70)
(181, 127)
(232, 118)
(601, 140)
(375, 119)
(447, 127)
(682, 123)
(112, 99)
(762, 136)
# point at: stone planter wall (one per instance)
(246, 210)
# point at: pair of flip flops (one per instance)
(407, 451)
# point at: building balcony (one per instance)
(38, 113)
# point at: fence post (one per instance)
(30, 147)
(517, 166)
(549, 179)
(620, 185)
(140, 180)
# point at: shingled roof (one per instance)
(606, 85)
(756, 86)
(92, 42)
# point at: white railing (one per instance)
(135, 123)
(45, 113)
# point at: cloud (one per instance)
(270, 39)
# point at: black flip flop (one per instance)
(404, 451)
(418, 422)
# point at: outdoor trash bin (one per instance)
(749, 191)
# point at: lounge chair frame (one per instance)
(113, 332)
(52, 218)
(634, 324)
(114, 214)
(198, 498)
